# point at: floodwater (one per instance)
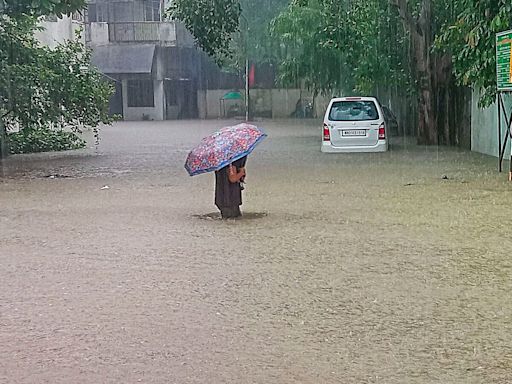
(360, 268)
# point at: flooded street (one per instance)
(352, 268)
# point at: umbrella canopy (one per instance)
(223, 147)
(232, 96)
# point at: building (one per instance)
(58, 30)
(154, 65)
(159, 73)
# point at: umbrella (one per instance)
(223, 147)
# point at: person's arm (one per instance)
(233, 175)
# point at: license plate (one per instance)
(353, 132)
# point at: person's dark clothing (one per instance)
(228, 196)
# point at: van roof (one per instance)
(355, 98)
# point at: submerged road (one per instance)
(358, 268)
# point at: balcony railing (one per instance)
(140, 31)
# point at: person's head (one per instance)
(240, 163)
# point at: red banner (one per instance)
(252, 75)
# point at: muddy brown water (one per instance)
(361, 268)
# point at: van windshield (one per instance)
(353, 111)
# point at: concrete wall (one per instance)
(168, 33)
(283, 101)
(209, 103)
(202, 104)
(145, 113)
(98, 33)
(321, 104)
(484, 127)
(56, 32)
(275, 103)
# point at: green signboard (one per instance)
(504, 60)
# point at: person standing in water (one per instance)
(228, 188)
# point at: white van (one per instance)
(354, 124)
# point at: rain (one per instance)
(373, 236)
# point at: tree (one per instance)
(15, 8)
(471, 42)
(229, 29)
(439, 98)
(213, 23)
(234, 32)
(377, 45)
(420, 31)
(308, 53)
(43, 88)
(382, 47)
(341, 47)
(259, 14)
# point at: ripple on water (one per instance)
(245, 216)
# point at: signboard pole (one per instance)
(509, 129)
(502, 142)
(500, 163)
(504, 85)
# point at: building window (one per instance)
(123, 12)
(98, 13)
(152, 10)
(141, 93)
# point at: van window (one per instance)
(353, 111)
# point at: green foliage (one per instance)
(254, 41)
(376, 46)
(231, 30)
(355, 46)
(42, 87)
(258, 14)
(212, 22)
(40, 7)
(471, 40)
(43, 140)
(308, 53)
(342, 46)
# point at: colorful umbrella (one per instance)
(223, 147)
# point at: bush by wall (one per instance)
(43, 140)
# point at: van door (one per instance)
(354, 122)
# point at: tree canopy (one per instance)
(336, 46)
(43, 88)
(414, 46)
(213, 23)
(230, 30)
(15, 8)
(471, 41)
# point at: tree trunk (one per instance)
(421, 40)
(450, 136)
(427, 128)
(442, 118)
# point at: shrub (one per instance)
(43, 140)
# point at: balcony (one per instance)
(142, 31)
(153, 32)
